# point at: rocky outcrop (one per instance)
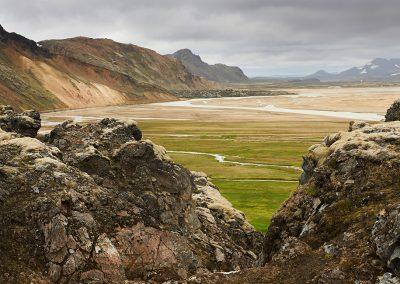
(219, 219)
(26, 123)
(393, 113)
(386, 233)
(95, 204)
(352, 179)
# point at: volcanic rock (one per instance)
(95, 204)
(393, 113)
(26, 123)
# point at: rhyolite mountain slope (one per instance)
(85, 72)
(141, 64)
(217, 72)
(379, 69)
(93, 203)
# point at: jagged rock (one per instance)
(393, 113)
(26, 123)
(331, 250)
(92, 277)
(55, 236)
(386, 234)
(54, 272)
(221, 220)
(94, 204)
(149, 253)
(388, 278)
(308, 167)
(354, 125)
(108, 260)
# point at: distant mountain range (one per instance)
(218, 72)
(379, 69)
(86, 72)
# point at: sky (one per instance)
(263, 37)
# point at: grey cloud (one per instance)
(263, 37)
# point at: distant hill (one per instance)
(379, 69)
(283, 80)
(321, 75)
(217, 72)
(86, 72)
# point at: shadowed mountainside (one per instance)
(217, 72)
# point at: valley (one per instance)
(199, 142)
(261, 149)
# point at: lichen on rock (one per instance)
(26, 123)
(93, 203)
(393, 113)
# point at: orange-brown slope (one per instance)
(141, 64)
(17, 86)
(43, 77)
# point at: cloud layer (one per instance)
(264, 37)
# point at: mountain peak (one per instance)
(20, 42)
(320, 75)
(322, 72)
(218, 72)
(379, 61)
(378, 69)
(184, 50)
(186, 54)
(3, 33)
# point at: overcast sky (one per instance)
(263, 37)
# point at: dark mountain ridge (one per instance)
(218, 72)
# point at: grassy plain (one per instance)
(258, 191)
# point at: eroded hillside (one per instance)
(83, 72)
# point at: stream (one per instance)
(271, 108)
(222, 159)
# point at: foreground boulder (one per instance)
(26, 123)
(393, 113)
(354, 181)
(342, 225)
(94, 204)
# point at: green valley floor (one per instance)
(261, 160)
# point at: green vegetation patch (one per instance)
(259, 200)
